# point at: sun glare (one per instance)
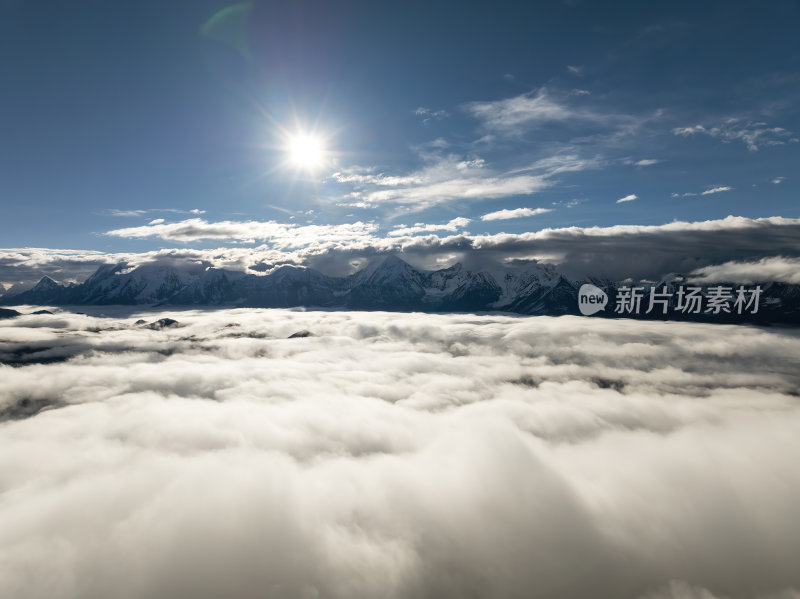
(306, 152)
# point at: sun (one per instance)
(306, 152)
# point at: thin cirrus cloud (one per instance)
(444, 179)
(628, 198)
(452, 178)
(513, 115)
(754, 135)
(449, 452)
(515, 213)
(142, 212)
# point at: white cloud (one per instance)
(429, 114)
(777, 268)
(754, 135)
(716, 190)
(398, 455)
(628, 198)
(575, 70)
(647, 162)
(452, 225)
(445, 179)
(515, 213)
(156, 221)
(279, 235)
(618, 252)
(778, 180)
(526, 109)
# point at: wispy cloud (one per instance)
(427, 114)
(628, 198)
(526, 109)
(142, 212)
(279, 235)
(515, 213)
(778, 180)
(754, 135)
(716, 190)
(777, 268)
(647, 162)
(453, 225)
(445, 179)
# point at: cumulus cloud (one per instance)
(778, 268)
(754, 135)
(396, 455)
(628, 198)
(515, 213)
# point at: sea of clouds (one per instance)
(396, 456)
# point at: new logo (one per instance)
(591, 299)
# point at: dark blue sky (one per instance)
(116, 115)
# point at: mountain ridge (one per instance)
(391, 285)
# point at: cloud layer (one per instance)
(396, 456)
(616, 252)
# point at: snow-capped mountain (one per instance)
(390, 284)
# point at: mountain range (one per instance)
(391, 284)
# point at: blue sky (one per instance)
(135, 126)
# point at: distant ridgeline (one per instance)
(395, 285)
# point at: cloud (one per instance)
(445, 179)
(115, 212)
(575, 70)
(429, 114)
(455, 178)
(156, 221)
(517, 115)
(617, 252)
(279, 235)
(399, 455)
(525, 109)
(678, 589)
(778, 268)
(453, 225)
(516, 213)
(754, 135)
(628, 198)
(716, 190)
(647, 162)
(778, 180)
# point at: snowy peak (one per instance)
(387, 284)
(45, 284)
